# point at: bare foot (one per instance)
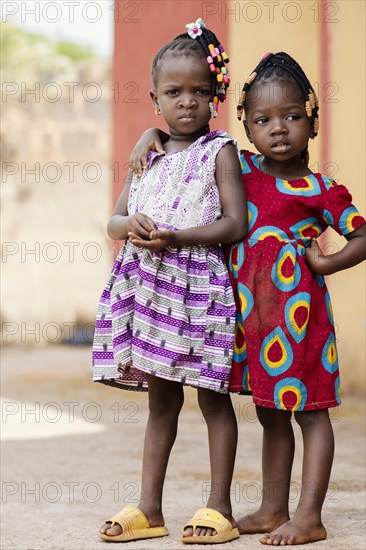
(260, 522)
(295, 532)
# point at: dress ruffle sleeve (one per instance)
(339, 212)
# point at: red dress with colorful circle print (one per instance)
(288, 356)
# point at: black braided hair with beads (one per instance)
(283, 67)
(206, 46)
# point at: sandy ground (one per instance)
(71, 457)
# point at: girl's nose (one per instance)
(278, 127)
(188, 100)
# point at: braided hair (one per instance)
(205, 45)
(283, 67)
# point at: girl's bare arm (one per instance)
(121, 223)
(351, 254)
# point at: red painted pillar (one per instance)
(141, 28)
(324, 113)
(324, 83)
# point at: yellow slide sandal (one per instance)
(211, 519)
(134, 526)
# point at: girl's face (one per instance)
(276, 120)
(182, 94)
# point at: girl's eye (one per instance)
(203, 92)
(293, 117)
(262, 120)
(172, 92)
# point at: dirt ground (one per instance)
(71, 457)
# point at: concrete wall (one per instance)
(60, 211)
(56, 199)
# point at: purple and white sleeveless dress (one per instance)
(170, 313)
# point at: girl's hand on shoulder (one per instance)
(140, 225)
(316, 260)
(149, 141)
(157, 240)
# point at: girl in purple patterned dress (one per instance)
(167, 315)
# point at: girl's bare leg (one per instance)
(165, 402)
(222, 428)
(277, 458)
(306, 525)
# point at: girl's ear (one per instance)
(247, 131)
(154, 99)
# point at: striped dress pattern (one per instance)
(171, 313)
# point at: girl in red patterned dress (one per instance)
(287, 359)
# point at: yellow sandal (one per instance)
(134, 526)
(211, 519)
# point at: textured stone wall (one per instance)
(57, 182)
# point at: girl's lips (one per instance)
(280, 147)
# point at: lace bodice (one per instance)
(179, 189)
